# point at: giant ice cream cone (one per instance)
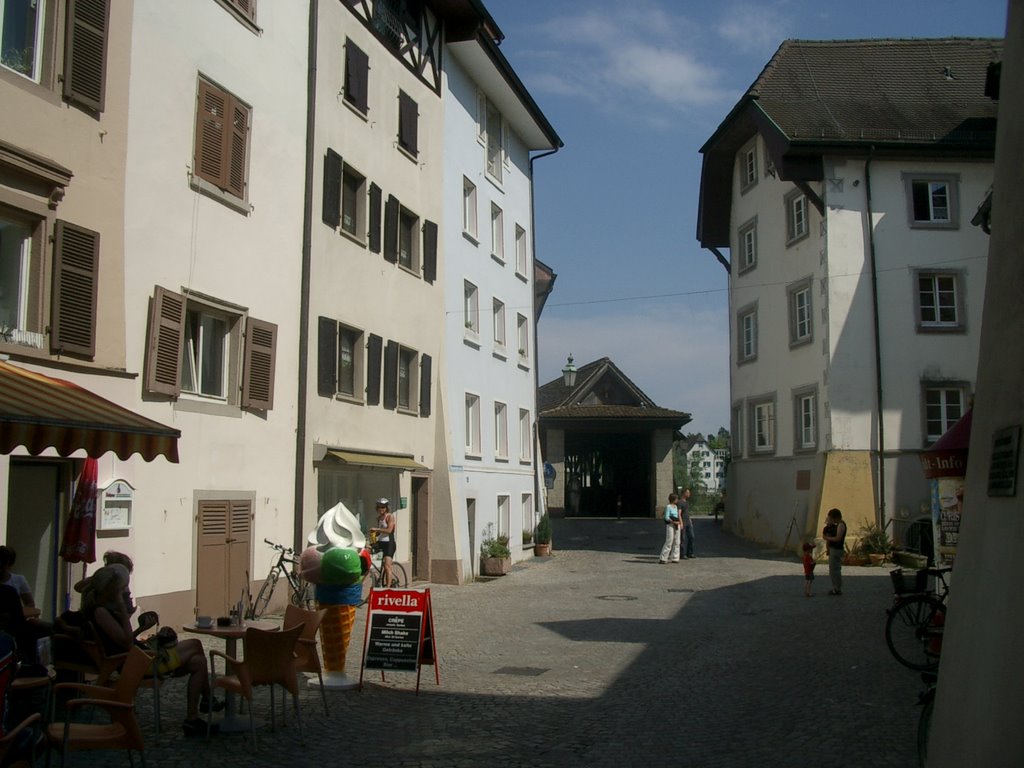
(335, 634)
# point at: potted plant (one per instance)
(495, 556)
(874, 542)
(527, 537)
(542, 537)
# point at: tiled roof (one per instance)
(614, 412)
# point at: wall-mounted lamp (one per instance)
(569, 373)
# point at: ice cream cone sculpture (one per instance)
(335, 634)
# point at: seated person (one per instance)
(104, 605)
(16, 580)
(12, 621)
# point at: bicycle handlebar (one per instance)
(280, 547)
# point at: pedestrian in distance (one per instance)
(808, 568)
(687, 522)
(834, 534)
(670, 550)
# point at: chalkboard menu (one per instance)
(399, 633)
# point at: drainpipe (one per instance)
(880, 517)
(307, 246)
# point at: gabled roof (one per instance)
(602, 391)
(901, 97)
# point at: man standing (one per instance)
(687, 522)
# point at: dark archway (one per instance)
(609, 468)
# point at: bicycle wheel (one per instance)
(914, 631)
(399, 580)
(302, 594)
(259, 605)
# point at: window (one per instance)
(408, 242)
(402, 237)
(525, 436)
(407, 124)
(353, 203)
(340, 362)
(746, 323)
(762, 426)
(349, 360)
(472, 424)
(526, 507)
(497, 233)
(520, 251)
(748, 245)
(210, 350)
(20, 267)
(504, 521)
(471, 307)
(748, 167)
(944, 404)
(500, 431)
(932, 200)
(805, 411)
(357, 68)
(939, 301)
(499, 323)
(469, 208)
(407, 370)
(21, 37)
(222, 142)
(796, 216)
(800, 323)
(402, 372)
(491, 132)
(523, 337)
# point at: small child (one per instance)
(808, 568)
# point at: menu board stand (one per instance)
(399, 633)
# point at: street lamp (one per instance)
(569, 373)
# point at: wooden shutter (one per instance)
(238, 144)
(85, 53)
(391, 229)
(373, 349)
(374, 233)
(425, 367)
(429, 251)
(391, 375)
(332, 188)
(407, 123)
(247, 7)
(222, 139)
(327, 357)
(357, 70)
(166, 335)
(76, 263)
(260, 364)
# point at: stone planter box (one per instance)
(495, 566)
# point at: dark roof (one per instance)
(897, 96)
(587, 399)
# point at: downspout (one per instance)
(880, 516)
(536, 349)
(307, 247)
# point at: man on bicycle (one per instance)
(385, 530)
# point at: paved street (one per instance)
(600, 656)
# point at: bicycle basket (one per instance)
(376, 546)
(904, 582)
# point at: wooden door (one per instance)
(420, 529)
(222, 562)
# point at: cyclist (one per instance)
(385, 530)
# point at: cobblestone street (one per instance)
(601, 656)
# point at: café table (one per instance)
(231, 634)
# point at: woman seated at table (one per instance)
(103, 604)
(16, 580)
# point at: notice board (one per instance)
(399, 633)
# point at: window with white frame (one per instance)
(492, 130)
(504, 516)
(748, 246)
(805, 411)
(21, 259)
(801, 328)
(939, 301)
(497, 233)
(520, 251)
(523, 336)
(472, 423)
(205, 351)
(932, 200)
(350, 362)
(526, 506)
(500, 431)
(471, 307)
(525, 435)
(469, 208)
(796, 216)
(748, 166)
(762, 425)
(746, 326)
(408, 379)
(499, 323)
(944, 404)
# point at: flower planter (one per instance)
(877, 558)
(542, 550)
(495, 566)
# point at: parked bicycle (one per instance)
(375, 577)
(287, 565)
(917, 617)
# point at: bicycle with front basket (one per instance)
(287, 566)
(917, 617)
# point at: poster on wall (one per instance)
(947, 509)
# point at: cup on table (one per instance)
(204, 621)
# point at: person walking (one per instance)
(834, 534)
(687, 522)
(670, 550)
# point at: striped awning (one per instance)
(40, 412)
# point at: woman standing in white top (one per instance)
(385, 530)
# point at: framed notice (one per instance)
(399, 633)
(1002, 467)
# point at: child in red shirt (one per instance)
(808, 568)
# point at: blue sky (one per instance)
(634, 89)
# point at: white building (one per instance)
(491, 127)
(843, 184)
(708, 463)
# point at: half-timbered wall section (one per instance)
(409, 30)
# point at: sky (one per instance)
(634, 89)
